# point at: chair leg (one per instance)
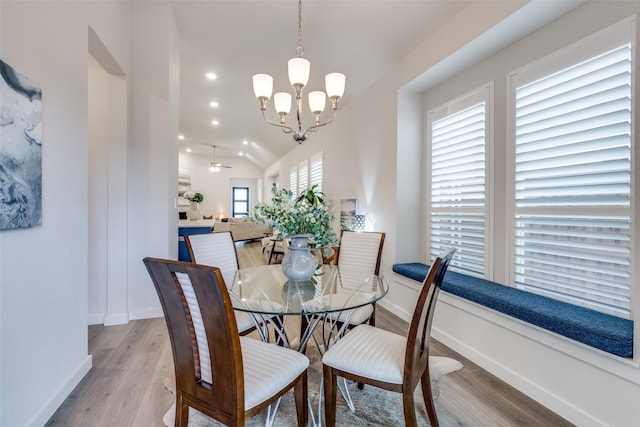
(182, 412)
(330, 386)
(409, 408)
(301, 393)
(427, 395)
(372, 319)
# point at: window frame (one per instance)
(484, 93)
(235, 214)
(575, 53)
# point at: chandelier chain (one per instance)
(300, 49)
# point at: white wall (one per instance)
(153, 152)
(216, 186)
(44, 270)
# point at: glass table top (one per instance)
(266, 290)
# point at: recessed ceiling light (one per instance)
(180, 137)
(245, 142)
(215, 122)
(211, 76)
(188, 150)
(213, 104)
(241, 154)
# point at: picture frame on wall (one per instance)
(348, 209)
(20, 150)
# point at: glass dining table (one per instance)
(265, 293)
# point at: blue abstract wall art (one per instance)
(20, 150)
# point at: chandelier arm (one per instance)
(315, 127)
(285, 128)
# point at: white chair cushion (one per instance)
(354, 317)
(244, 321)
(268, 368)
(369, 352)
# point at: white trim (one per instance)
(54, 402)
(116, 319)
(150, 313)
(483, 93)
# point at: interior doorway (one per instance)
(107, 192)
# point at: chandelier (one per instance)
(299, 69)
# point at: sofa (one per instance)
(242, 229)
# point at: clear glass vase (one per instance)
(299, 264)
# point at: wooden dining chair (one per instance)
(387, 360)
(218, 372)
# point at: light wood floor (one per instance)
(131, 362)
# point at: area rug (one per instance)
(373, 406)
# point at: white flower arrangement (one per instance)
(192, 196)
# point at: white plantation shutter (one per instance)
(293, 181)
(315, 173)
(573, 182)
(303, 176)
(458, 171)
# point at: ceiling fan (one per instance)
(215, 166)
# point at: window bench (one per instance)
(602, 331)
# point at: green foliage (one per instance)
(193, 196)
(308, 214)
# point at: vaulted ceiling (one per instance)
(238, 38)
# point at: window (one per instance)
(240, 201)
(293, 181)
(572, 175)
(307, 173)
(458, 207)
(315, 173)
(303, 176)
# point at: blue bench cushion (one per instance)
(603, 331)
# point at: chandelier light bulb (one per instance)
(299, 70)
(317, 100)
(335, 83)
(282, 102)
(262, 85)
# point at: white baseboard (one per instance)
(95, 319)
(146, 314)
(116, 319)
(395, 309)
(50, 407)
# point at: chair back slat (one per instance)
(417, 352)
(359, 254)
(216, 250)
(196, 329)
(203, 357)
